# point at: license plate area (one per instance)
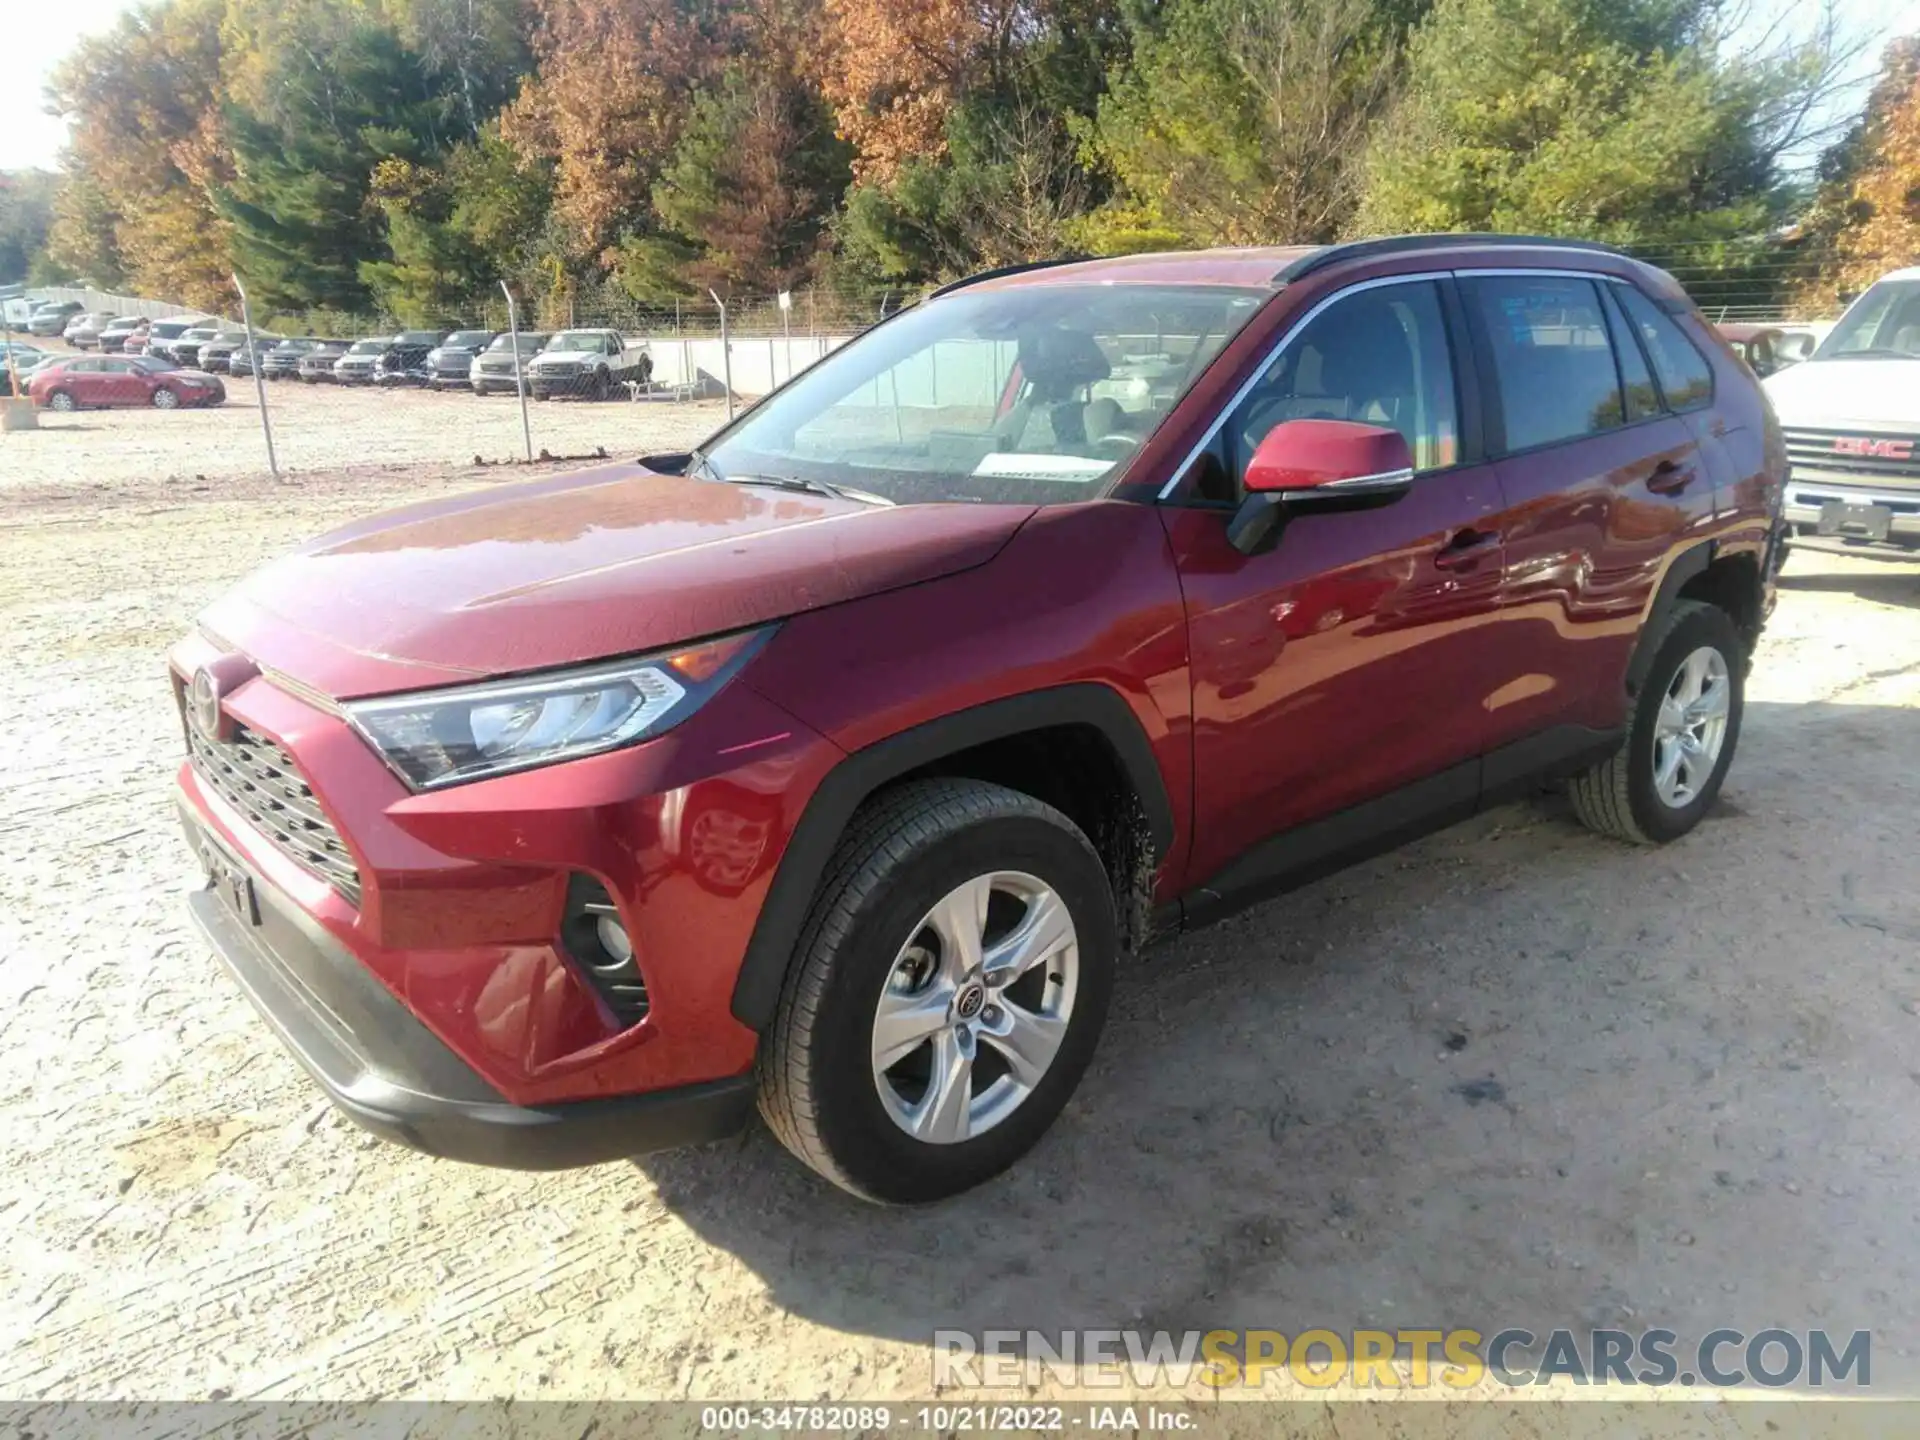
(228, 879)
(1851, 520)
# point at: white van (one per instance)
(1852, 419)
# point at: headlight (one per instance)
(441, 737)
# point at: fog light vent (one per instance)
(597, 938)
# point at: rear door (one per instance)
(1601, 482)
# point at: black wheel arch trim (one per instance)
(1685, 566)
(756, 990)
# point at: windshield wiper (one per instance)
(702, 466)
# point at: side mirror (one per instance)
(1316, 467)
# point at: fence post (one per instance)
(259, 376)
(726, 352)
(519, 370)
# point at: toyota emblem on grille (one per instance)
(1877, 449)
(203, 703)
(211, 684)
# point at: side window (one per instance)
(1552, 361)
(1684, 373)
(1379, 357)
(1643, 399)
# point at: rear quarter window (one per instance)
(1684, 374)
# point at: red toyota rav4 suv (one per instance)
(835, 764)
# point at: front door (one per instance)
(1347, 664)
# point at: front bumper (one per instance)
(392, 1076)
(454, 911)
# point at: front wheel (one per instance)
(1680, 741)
(62, 401)
(165, 399)
(948, 990)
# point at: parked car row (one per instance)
(595, 362)
(592, 363)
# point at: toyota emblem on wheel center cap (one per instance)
(969, 1001)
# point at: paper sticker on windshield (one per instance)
(1069, 468)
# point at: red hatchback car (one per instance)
(95, 382)
(833, 766)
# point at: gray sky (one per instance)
(35, 34)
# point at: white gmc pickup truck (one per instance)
(1851, 414)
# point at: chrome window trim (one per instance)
(1279, 346)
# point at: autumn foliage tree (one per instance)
(1867, 221)
(605, 104)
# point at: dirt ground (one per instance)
(324, 428)
(1513, 1075)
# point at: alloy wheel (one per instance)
(1692, 727)
(975, 1007)
(165, 399)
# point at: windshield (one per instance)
(466, 339)
(368, 347)
(1033, 394)
(527, 342)
(418, 337)
(1883, 323)
(579, 340)
(151, 363)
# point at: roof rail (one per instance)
(1001, 270)
(1395, 244)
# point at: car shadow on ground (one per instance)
(1512, 1075)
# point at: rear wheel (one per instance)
(165, 399)
(62, 401)
(1680, 741)
(948, 991)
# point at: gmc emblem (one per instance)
(1878, 449)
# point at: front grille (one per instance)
(260, 780)
(1814, 450)
(560, 370)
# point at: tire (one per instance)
(602, 385)
(906, 852)
(62, 401)
(1622, 797)
(165, 399)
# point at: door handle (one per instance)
(1464, 549)
(1669, 478)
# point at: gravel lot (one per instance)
(1512, 1075)
(324, 428)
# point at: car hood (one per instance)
(612, 561)
(574, 356)
(1848, 394)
